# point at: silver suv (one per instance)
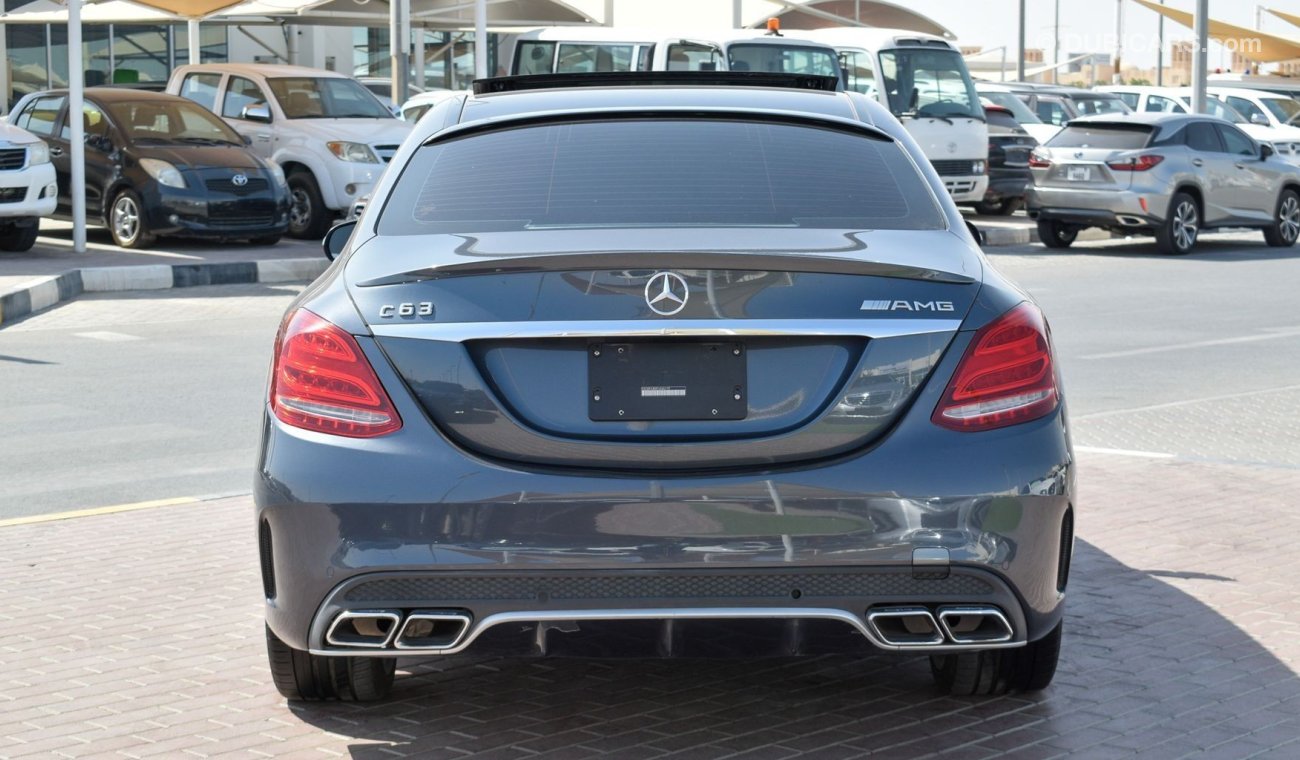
(1171, 175)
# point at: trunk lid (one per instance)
(767, 355)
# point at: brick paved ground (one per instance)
(139, 634)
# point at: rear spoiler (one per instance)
(657, 79)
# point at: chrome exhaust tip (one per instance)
(432, 629)
(1130, 221)
(905, 626)
(975, 625)
(368, 629)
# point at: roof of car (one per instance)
(265, 70)
(1153, 118)
(118, 94)
(1246, 92)
(815, 103)
(1055, 89)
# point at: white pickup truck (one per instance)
(330, 134)
(28, 189)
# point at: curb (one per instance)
(43, 292)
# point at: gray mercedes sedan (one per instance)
(662, 365)
(1163, 174)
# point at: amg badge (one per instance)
(906, 306)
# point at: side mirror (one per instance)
(247, 140)
(1266, 150)
(977, 233)
(1259, 118)
(337, 239)
(258, 112)
(100, 143)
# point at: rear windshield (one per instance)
(1109, 136)
(659, 174)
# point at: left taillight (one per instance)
(321, 381)
(1136, 163)
(1006, 376)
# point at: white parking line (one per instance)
(1184, 402)
(1125, 452)
(1272, 334)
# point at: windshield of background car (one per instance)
(784, 59)
(1283, 109)
(326, 98)
(178, 121)
(924, 82)
(1013, 104)
(1108, 136)
(1223, 111)
(668, 173)
(1087, 105)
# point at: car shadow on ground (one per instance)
(1205, 250)
(1146, 668)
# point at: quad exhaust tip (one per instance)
(432, 629)
(905, 626)
(975, 625)
(370, 629)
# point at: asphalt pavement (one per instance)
(128, 397)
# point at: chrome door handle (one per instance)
(56, 151)
(1197, 162)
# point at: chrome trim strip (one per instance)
(462, 331)
(992, 612)
(701, 613)
(902, 612)
(396, 617)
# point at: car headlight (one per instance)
(978, 167)
(276, 173)
(163, 171)
(355, 152)
(38, 153)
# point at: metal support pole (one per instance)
(1160, 53)
(1118, 78)
(1056, 45)
(398, 43)
(1201, 27)
(480, 39)
(417, 55)
(196, 46)
(1020, 45)
(608, 18)
(737, 15)
(77, 135)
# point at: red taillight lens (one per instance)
(1006, 376)
(1039, 160)
(322, 381)
(1136, 164)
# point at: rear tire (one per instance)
(18, 238)
(1284, 230)
(1056, 234)
(1001, 208)
(998, 671)
(308, 217)
(303, 676)
(1177, 235)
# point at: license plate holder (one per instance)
(1078, 173)
(667, 380)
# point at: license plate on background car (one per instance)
(1078, 173)
(666, 380)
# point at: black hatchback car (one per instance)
(160, 165)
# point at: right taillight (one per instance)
(1039, 160)
(1005, 377)
(321, 381)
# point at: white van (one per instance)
(575, 50)
(923, 80)
(330, 134)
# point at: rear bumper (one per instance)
(410, 507)
(1098, 208)
(1085, 217)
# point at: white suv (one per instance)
(330, 134)
(27, 186)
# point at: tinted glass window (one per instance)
(1052, 112)
(1109, 136)
(39, 116)
(859, 73)
(1087, 105)
(170, 121)
(1247, 109)
(659, 173)
(1013, 104)
(202, 89)
(785, 59)
(1130, 98)
(533, 57)
(587, 58)
(928, 83)
(1202, 136)
(241, 93)
(1159, 104)
(693, 56)
(1283, 109)
(94, 122)
(326, 98)
(1236, 142)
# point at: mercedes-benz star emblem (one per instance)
(239, 180)
(666, 293)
